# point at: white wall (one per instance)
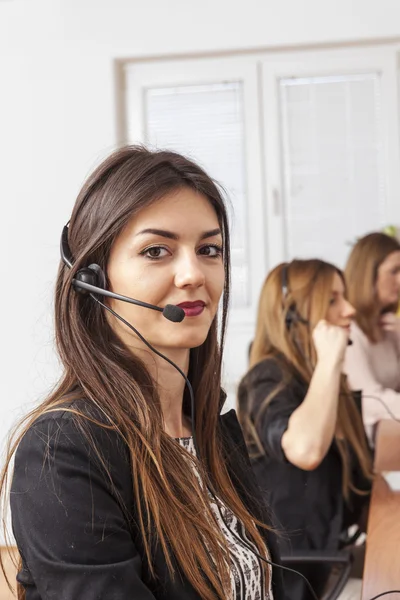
(57, 118)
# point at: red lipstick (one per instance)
(192, 309)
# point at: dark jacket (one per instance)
(73, 537)
(308, 505)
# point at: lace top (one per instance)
(247, 576)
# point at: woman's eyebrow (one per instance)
(211, 233)
(173, 236)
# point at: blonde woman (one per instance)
(301, 424)
(373, 361)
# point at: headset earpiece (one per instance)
(101, 276)
(290, 314)
(290, 317)
(93, 275)
(85, 275)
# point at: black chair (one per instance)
(340, 563)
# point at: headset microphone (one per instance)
(92, 280)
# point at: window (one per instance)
(332, 156)
(332, 162)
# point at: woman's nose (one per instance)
(189, 272)
(348, 310)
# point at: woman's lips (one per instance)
(192, 309)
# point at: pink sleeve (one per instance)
(378, 402)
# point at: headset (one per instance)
(292, 315)
(91, 281)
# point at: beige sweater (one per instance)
(375, 370)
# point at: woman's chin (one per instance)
(182, 342)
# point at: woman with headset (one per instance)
(128, 482)
(302, 425)
(372, 363)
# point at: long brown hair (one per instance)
(361, 275)
(168, 497)
(309, 289)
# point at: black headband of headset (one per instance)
(292, 314)
(65, 251)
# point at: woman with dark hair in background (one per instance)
(121, 488)
(301, 423)
(372, 363)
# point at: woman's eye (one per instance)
(155, 252)
(211, 250)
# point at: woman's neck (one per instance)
(379, 332)
(170, 386)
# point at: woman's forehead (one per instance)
(337, 284)
(392, 260)
(181, 211)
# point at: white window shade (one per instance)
(205, 122)
(332, 163)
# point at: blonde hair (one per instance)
(361, 274)
(309, 289)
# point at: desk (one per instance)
(382, 561)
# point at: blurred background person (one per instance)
(372, 362)
(302, 425)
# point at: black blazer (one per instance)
(73, 537)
